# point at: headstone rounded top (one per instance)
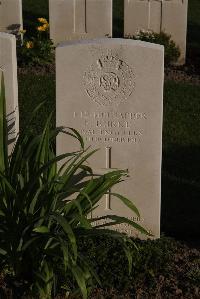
(114, 41)
(7, 35)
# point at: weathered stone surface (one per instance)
(79, 19)
(111, 91)
(8, 63)
(169, 16)
(174, 21)
(11, 16)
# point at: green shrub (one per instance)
(172, 51)
(44, 209)
(36, 50)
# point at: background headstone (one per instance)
(8, 63)
(111, 91)
(11, 16)
(169, 16)
(79, 19)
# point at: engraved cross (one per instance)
(80, 16)
(108, 166)
(149, 13)
(161, 10)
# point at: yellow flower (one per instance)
(41, 28)
(22, 31)
(29, 45)
(42, 20)
(45, 26)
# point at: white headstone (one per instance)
(111, 90)
(79, 19)
(8, 63)
(169, 16)
(11, 16)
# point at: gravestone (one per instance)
(169, 16)
(79, 19)
(8, 64)
(11, 16)
(111, 91)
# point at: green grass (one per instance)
(181, 114)
(181, 160)
(32, 91)
(193, 36)
(33, 9)
(36, 7)
(194, 12)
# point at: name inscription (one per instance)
(111, 127)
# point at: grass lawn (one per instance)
(32, 91)
(181, 160)
(193, 37)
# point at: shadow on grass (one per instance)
(193, 45)
(181, 193)
(33, 90)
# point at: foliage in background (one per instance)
(36, 50)
(44, 209)
(172, 51)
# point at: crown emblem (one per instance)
(109, 61)
(109, 81)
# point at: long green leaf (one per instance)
(68, 230)
(41, 229)
(127, 202)
(3, 127)
(79, 276)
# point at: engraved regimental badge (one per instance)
(109, 81)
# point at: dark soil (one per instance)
(37, 70)
(182, 281)
(183, 74)
(179, 276)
